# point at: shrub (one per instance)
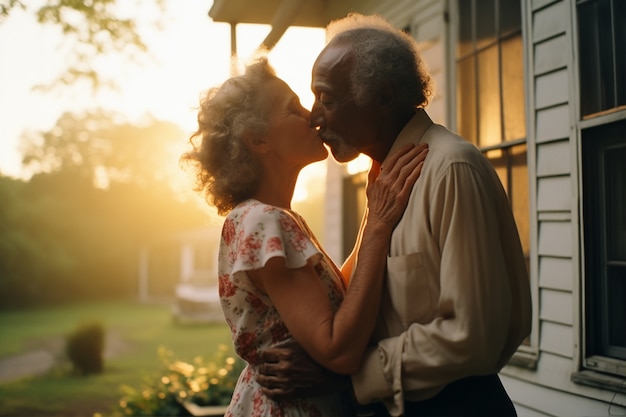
(85, 348)
(201, 382)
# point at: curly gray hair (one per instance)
(225, 169)
(382, 54)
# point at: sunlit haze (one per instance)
(190, 54)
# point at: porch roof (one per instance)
(280, 14)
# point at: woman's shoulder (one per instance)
(255, 212)
(257, 208)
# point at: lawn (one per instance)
(139, 331)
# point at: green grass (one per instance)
(143, 329)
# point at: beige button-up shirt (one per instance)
(456, 301)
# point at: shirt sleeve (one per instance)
(469, 331)
(267, 232)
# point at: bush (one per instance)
(85, 348)
(201, 382)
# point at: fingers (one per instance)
(275, 355)
(389, 193)
(393, 158)
(277, 393)
(411, 178)
(275, 387)
(405, 167)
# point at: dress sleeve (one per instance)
(267, 232)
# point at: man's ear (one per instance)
(256, 143)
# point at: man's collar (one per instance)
(413, 131)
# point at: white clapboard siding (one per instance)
(554, 193)
(551, 54)
(537, 400)
(551, 89)
(556, 273)
(556, 338)
(553, 158)
(555, 238)
(538, 4)
(552, 123)
(549, 22)
(556, 306)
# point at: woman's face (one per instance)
(291, 138)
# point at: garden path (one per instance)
(45, 355)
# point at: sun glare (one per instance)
(190, 55)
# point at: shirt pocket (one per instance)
(408, 288)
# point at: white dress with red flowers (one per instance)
(252, 234)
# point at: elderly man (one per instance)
(456, 301)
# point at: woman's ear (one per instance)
(257, 144)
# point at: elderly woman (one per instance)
(276, 283)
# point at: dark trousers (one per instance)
(474, 396)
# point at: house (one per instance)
(187, 257)
(540, 87)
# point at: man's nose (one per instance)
(315, 118)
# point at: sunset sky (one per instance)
(190, 55)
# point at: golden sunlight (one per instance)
(188, 55)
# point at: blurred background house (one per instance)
(539, 86)
(183, 267)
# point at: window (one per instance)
(490, 95)
(602, 54)
(604, 211)
(602, 44)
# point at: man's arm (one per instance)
(472, 328)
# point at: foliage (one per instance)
(201, 382)
(102, 190)
(95, 28)
(85, 348)
(104, 149)
(134, 334)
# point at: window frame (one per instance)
(596, 368)
(528, 353)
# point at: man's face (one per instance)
(343, 125)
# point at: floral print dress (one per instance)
(252, 234)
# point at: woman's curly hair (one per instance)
(225, 169)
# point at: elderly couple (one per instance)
(434, 298)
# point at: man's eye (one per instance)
(325, 98)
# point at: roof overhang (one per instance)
(280, 14)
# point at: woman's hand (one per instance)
(389, 186)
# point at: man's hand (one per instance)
(289, 372)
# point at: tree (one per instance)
(104, 149)
(101, 191)
(94, 27)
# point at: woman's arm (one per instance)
(338, 340)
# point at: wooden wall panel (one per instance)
(552, 124)
(555, 239)
(551, 89)
(549, 22)
(556, 306)
(554, 194)
(556, 273)
(553, 158)
(551, 55)
(556, 338)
